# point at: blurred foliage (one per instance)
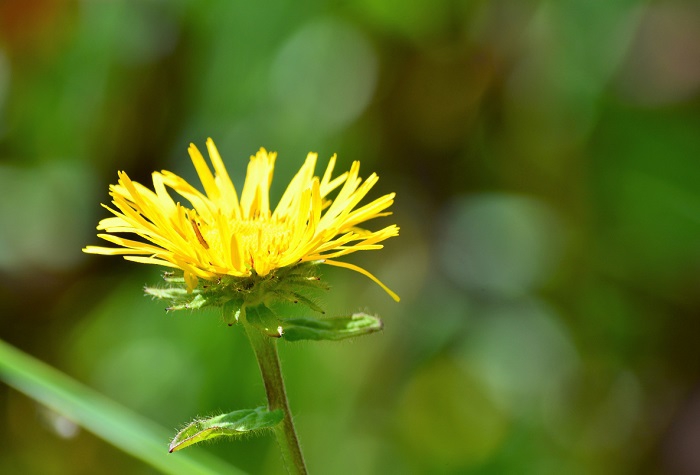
(545, 156)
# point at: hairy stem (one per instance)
(265, 349)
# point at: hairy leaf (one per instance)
(337, 328)
(236, 423)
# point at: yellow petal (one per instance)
(365, 273)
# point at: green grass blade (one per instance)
(103, 417)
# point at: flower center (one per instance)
(262, 237)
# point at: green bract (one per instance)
(287, 284)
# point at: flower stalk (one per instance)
(265, 349)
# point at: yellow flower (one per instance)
(220, 235)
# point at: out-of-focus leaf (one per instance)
(103, 417)
(233, 424)
(338, 328)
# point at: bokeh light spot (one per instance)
(447, 419)
(500, 243)
(324, 76)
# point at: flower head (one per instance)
(219, 234)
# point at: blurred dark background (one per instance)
(546, 160)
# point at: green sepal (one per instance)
(170, 293)
(233, 424)
(197, 302)
(338, 328)
(264, 319)
(285, 284)
(231, 310)
(296, 297)
(179, 297)
(174, 277)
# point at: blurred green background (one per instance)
(546, 160)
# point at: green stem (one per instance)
(265, 349)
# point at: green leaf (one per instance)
(338, 328)
(236, 423)
(264, 319)
(119, 426)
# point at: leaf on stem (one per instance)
(264, 319)
(338, 328)
(233, 424)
